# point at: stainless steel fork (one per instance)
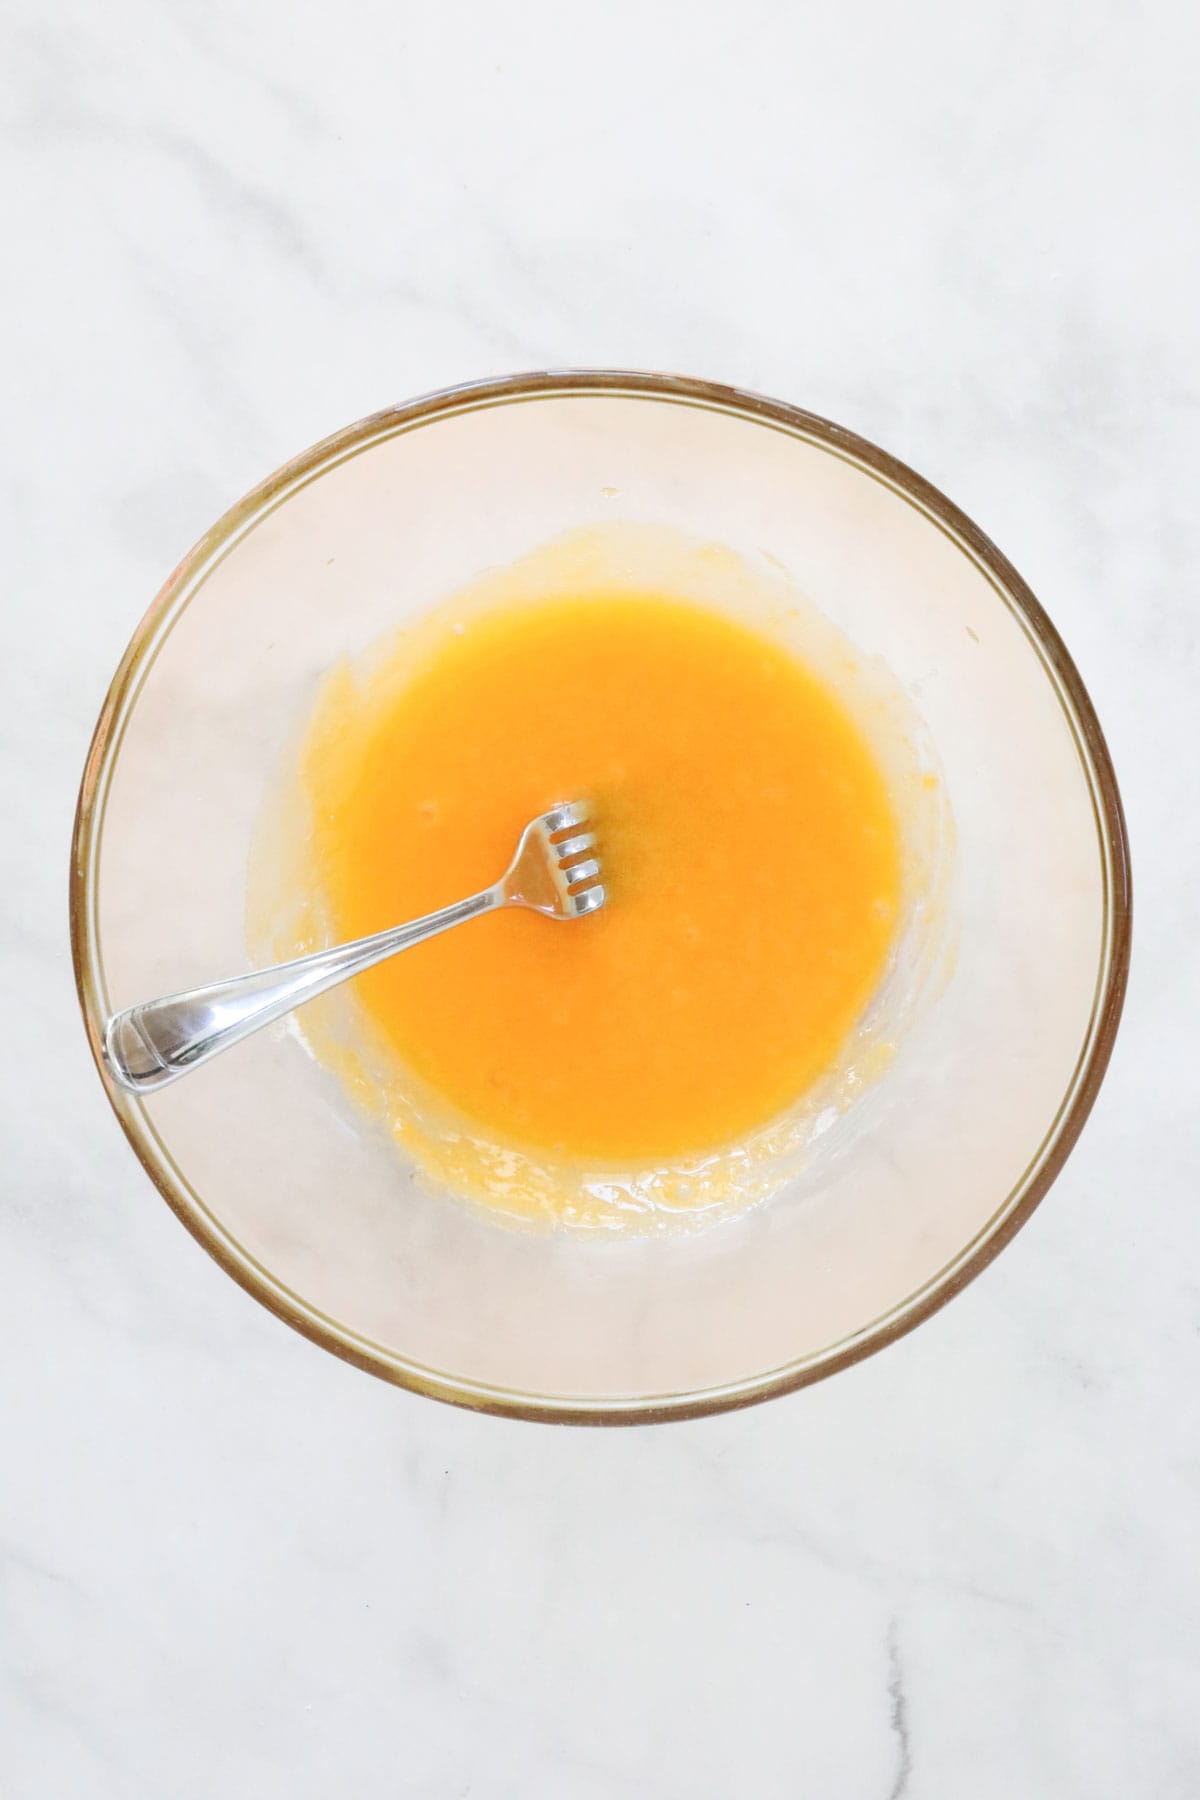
(154, 1043)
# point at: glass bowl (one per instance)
(313, 1213)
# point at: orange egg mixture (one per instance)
(750, 852)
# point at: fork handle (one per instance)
(150, 1045)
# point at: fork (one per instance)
(152, 1044)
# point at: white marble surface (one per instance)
(229, 1564)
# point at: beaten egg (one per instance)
(750, 852)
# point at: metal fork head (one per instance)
(550, 872)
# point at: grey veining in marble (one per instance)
(231, 1565)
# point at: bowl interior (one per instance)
(312, 1211)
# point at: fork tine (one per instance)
(563, 818)
(542, 874)
(574, 846)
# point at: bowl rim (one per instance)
(1112, 979)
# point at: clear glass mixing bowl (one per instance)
(315, 1215)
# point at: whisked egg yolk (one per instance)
(750, 853)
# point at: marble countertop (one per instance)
(231, 1565)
